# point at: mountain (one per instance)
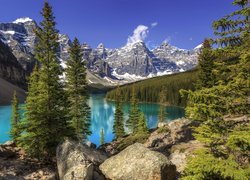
(10, 69)
(12, 76)
(19, 35)
(130, 63)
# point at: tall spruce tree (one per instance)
(118, 127)
(79, 111)
(142, 125)
(134, 113)
(206, 66)
(31, 139)
(162, 110)
(102, 137)
(45, 122)
(15, 131)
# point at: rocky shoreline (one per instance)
(161, 155)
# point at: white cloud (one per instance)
(140, 34)
(191, 38)
(154, 24)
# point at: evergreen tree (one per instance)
(134, 113)
(15, 131)
(142, 125)
(232, 28)
(46, 123)
(102, 137)
(226, 140)
(118, 127)
(206, 66)
(79, 111)
(162, 110)
(30, 140)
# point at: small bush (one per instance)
(163, 129)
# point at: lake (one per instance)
(102, 116)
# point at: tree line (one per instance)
(148, 90)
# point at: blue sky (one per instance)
(184, 23)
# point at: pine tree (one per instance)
(232, 28)
(79, 111)
(162, 110)
(31, 138)
(118, 127)
(15, 131)
(206, 66)
(134, 113)
(46, 122)
(142, 125)
(226, 140)
(102, 137)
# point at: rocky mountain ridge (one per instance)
(130, 63)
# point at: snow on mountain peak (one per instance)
(22, 20)
(199, 46)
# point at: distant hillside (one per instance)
(10, 69)
(148, 90)
(6, 92)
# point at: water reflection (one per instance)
(102, 116)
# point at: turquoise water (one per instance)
(102, 116)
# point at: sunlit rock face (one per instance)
(140, 163)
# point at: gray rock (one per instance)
(9, 143)
(84, 172)
(90, 144)
(181, 130)
(162, 124)
(138, 163)
(72, 156)
(176, 131)
(180, 153)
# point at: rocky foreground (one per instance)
(161, 155)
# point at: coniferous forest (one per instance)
(149, 90)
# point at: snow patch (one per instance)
(180, 63)
(8, 32)
(22, 20)
(199, 46)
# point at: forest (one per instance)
(149, 90)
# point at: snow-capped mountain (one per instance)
(19, 35)
(130, 63)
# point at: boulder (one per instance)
(80, 172)
(179, 130)
(9, 143)
(162, 124)
(138, 163)
(159, 141)
(180, 153)
(90, 144)
(6, 152)
(75, 159)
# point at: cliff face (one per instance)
(10, 69)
